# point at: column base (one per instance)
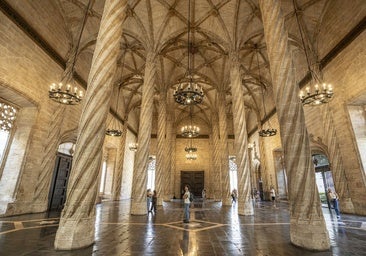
(75, 233)
(138, 208)
(245, 207)
(309, 234)
(227, 202)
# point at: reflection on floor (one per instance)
(212, 230)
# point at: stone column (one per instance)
(215, 175)
(225, 177)
(160, 171)
(42, 187)
(335, 159)
(76, 229)
(117, 180)
(245, 206)
(138, 203)
(170, 147)
(307, 228)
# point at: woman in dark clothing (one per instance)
(154, 201)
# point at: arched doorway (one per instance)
(323, 177)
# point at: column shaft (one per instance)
(307, 227)
(245, 206)
(76, 229)
(138, 204)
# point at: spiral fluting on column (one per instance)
(306, 217)
(76, 227)
(225, 177)
(216, 172)
(42, 186)
(161, 170)
(245, 206)
(335, 158)
(117, 179)
(138, 204)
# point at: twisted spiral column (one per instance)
(335, 159)
(307, 227)
(169, 149)
(245, 206)
(215, 176)
(225, 170)
(161, 171)
(138, 204)
(42, 186)
(76, 228)
(117, 178)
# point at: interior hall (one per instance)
(182, 127)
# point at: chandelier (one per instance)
(269, 131)
(133, 146)
(113, 128)
(64, 92)
(190, 131)
(191, 156)
(317, 96)
(7, 118)
(188, 92)
(65, 95)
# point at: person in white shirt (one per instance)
(187, 203)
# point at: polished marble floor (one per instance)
(213, 230)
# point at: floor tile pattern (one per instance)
(213, 230)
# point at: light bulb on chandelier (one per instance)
(133, 146)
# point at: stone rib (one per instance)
(306, 217)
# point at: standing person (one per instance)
(148, 199)
(234, 195)
(154, 201)
(272, 193)
(204, 194)
(187, 203)
(334, 199)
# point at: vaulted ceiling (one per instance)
(161, 26)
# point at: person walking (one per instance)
(272, 193)
(334, 199)
(148, 199)
(154, 202)
(187, 203)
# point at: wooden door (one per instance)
(195, 180)
(57, 195)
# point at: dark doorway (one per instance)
(57, 195)
(195, 180)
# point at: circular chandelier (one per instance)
(7, 116)
(191, 156)
(317, 97)
(65, 95)
(267, 132)
(190, 149)
(190, 131)
(113, 132)
(188, 93)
